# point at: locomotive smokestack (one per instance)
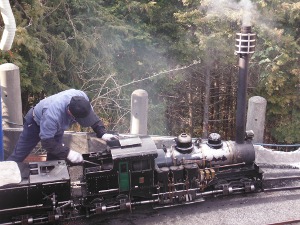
(245, 45)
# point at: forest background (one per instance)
(180, 51)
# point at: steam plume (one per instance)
(243, 10)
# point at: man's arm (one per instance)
(99, 129)
(55, 148)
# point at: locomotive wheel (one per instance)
(97, 200)
(122, 196)
(220, 183)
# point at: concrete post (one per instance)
(139, 112)
(11, 96)
(1, 133)
(256, 117)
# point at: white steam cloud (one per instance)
(243, 10)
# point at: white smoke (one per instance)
(248, 10)
(243, 10)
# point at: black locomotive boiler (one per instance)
(137, 171)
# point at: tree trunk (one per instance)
(206, 103)
(190, 105)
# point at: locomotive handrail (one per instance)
(110, 190)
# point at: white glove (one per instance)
(74, 157)
(109, 137)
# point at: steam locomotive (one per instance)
(135, 171)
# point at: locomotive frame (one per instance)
(135, 172)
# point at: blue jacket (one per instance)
(51, 114)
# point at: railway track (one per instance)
(286, 222)
(275, 182)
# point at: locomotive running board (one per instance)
(180, 204)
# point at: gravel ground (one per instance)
(252, 209)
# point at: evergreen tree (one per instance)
(180, 52)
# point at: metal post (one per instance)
(245, 44)
(241, 99)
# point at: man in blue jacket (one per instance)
(48, 120)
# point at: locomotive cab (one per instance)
(134, 161)
(124, 170)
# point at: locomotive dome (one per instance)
(214, 140)
(184, 143)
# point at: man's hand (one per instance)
(75, 157)
(110, 137)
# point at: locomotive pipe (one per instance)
(145, 202)
(202, 194)
(245, 43)
(110, 190)
(232, 190)
(29, 221)
(117, 208)
(96, 164)
(25, 207)
(10, 25)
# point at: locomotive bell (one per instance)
(184, 143)
(214, 141)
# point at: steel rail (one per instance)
(285, 222)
